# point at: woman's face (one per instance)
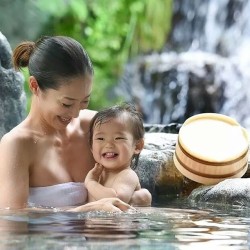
(59, 107)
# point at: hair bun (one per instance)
(22, 53)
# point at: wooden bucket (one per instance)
(210, 148)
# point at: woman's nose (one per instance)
(75, 112)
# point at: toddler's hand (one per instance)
(97, 170)
(94, 174)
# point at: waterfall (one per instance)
(204, 66)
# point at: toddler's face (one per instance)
(113, 144)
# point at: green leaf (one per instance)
(79, 8)
(52, 7)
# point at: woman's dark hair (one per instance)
(51, 59)
(134, 119)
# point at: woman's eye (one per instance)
(86, 102)
(84, 105)
(66, 105)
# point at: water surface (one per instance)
(168, 226)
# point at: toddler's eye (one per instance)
(99, 138)
(120, 138)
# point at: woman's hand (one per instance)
(105, 204)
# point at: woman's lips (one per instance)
(64, 120)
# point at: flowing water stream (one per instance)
(204, 66)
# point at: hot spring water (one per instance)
(168, 226)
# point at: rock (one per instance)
(25, 13)
(172, 128)
(157, 173)
(156, 169)
(12, 95)
(228, 192)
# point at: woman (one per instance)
(45, 159)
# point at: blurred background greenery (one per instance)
(112, 31)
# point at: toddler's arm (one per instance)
(96, 191)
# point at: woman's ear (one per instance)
(33, 85)
(139, 146)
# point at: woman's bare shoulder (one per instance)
(17, 137)
(16, 149)
(85, 117)
(87, 114)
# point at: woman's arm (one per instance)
(105, 204)
(14, 171)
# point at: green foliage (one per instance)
(112, 31)
(26, 87)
